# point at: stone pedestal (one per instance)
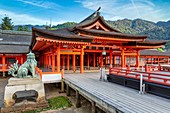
(24, 84)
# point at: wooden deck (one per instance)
(114, 97)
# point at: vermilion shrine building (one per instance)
(14, 45)
(88, 45)
(91, 44)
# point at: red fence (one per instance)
(157, 77)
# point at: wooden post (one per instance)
(3, 64)
(63, 61)
(74, 63)
(45, 61)
(62, 82)
(111, 61)
(88, 61)
(114, 60)
(58, 59)
(53, 62)
(22, 59)
(123, 59)
(68, 62)
(158, 60)
(101, 61)
(106, 59)
(50, 61)
(78, 101)
(138, 59)
(94, 59)
(68, 90)
(93, 107)
(82, 60)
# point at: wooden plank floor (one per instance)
(122, 98)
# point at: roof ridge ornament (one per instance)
(97, 13)
(93, 15)
(98, 9)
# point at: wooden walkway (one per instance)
(113, 97)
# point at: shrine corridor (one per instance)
(115, 98)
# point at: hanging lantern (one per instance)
(103, 52)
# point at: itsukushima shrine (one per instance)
(91, 43)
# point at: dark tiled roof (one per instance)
(63, 34)
(112, 33)
(154, 53)
(15, 41)
(152, 42)
(93, 18)
(14, 49)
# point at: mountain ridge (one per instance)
(157, 31)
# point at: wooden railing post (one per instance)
(62, 80)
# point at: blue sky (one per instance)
(59, 11)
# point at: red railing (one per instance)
(38, 71)
(155, 77)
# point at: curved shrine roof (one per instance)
(15, 42)
(83, 33)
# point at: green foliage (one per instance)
(55, 103)
(22, 28)
(65, 25)
(25, 28)
(7, 24)
(59, 102)
(154, 31)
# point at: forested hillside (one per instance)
(156, 31)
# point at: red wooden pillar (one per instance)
(114, 60)
(68, 62)
(53, 62)
(58, 59)
(63, 62)
(101, 60)
(73, 62)
(106, 59)
(46, 61)
(123, 59)
(88, 60)
(82, 60)
(22, 59)
(138, 59)
(94, 60)
(111, 61)
(158, 60)
(3, 65)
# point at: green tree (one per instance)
(25, 28)
(20, 28)
(7, 24)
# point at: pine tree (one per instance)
(7, 24)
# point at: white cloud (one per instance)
(41, 3)
(132, 9)
(21, 19)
